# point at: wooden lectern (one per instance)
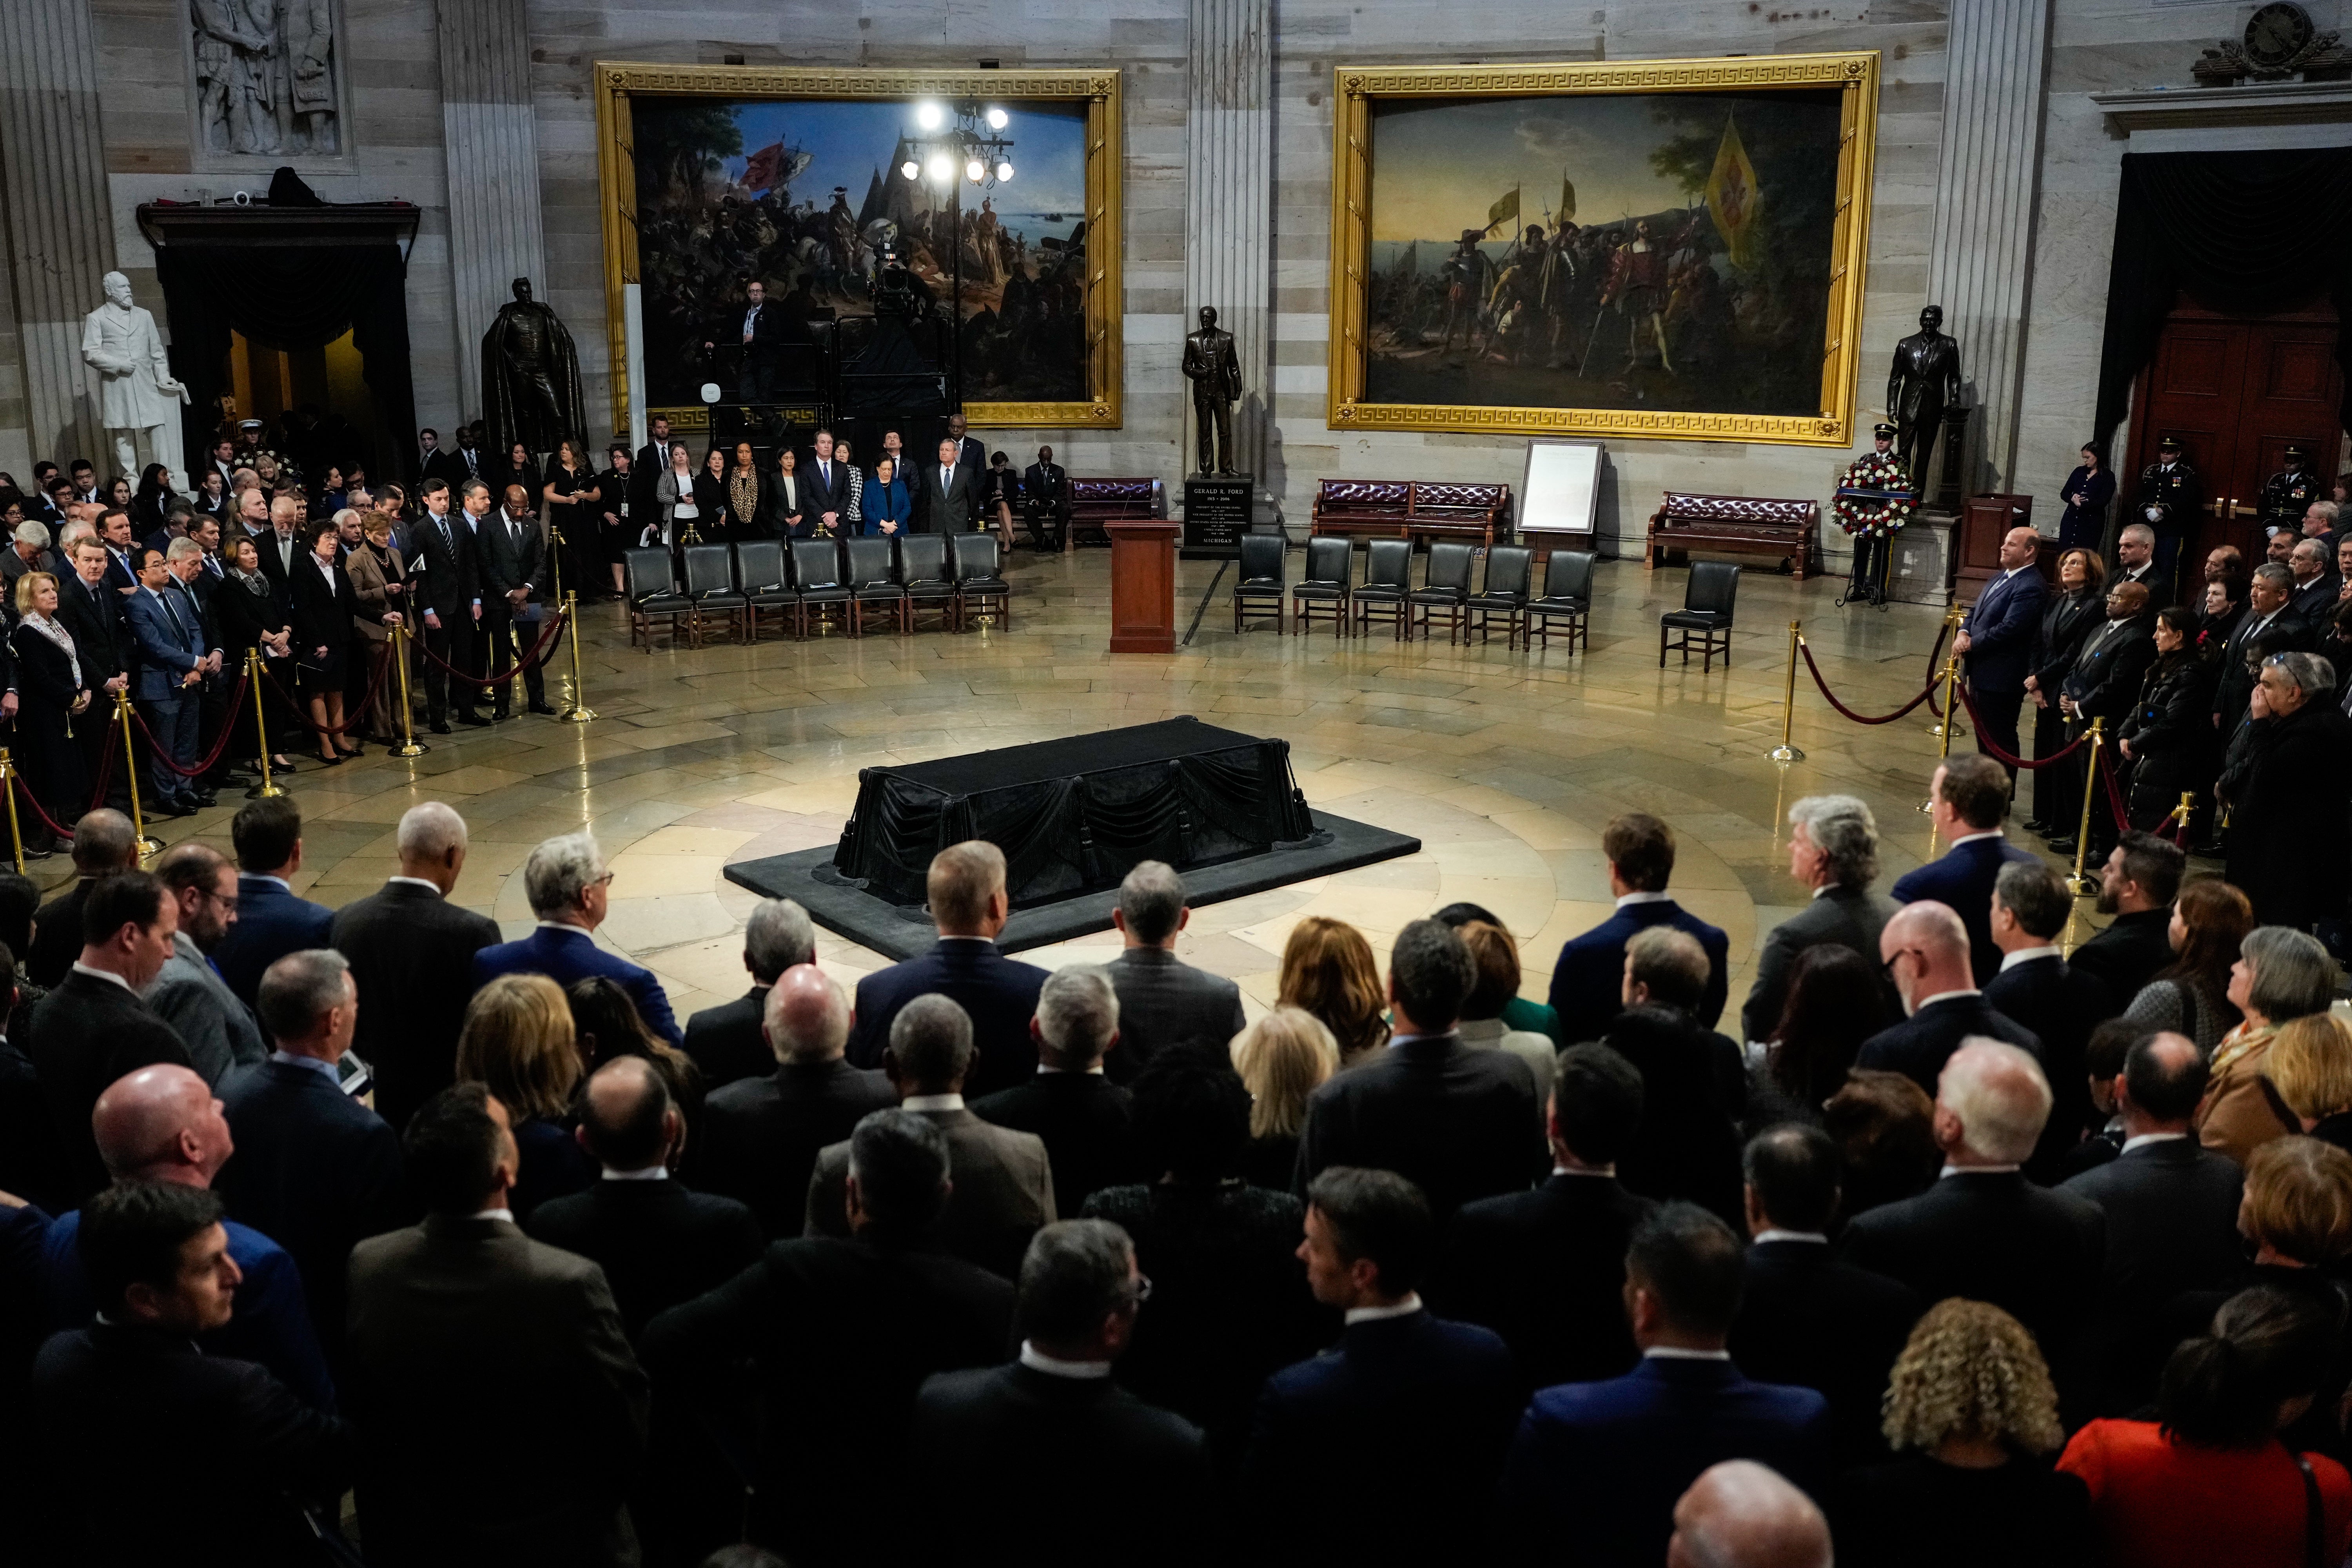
(1143, 585)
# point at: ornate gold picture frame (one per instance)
(1531, 325)
(1095, 92)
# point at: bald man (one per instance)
(1925, 952)
(761, 1135)
(1741, 1514)
(1997, 644)
(163, 1124)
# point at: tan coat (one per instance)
(2241, 1110)
(368, 582)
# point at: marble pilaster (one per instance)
(491, 143)
(1229, 198)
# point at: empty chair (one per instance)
(1707, 603)
(766, 586)
(923, 573)
(1259, 593)
(1567, 596)
(816, 583)
(977, 564)
(1446, 589)
(711, 585)
(653, 595)
(1388, 578)
(1505, 594)
(874, 584)
(1330, 564)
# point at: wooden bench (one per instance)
(1737, 525)
(1418, 509)
(1094, 502)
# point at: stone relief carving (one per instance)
(266, 75)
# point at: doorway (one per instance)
(2236, 392)
(327, 380)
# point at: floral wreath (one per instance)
(1870, 516)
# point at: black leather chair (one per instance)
(817, 586)
(873, 582)
(765, 581)
(1707, 603)
(1567, 596)
(711, 585)
(653, 595)
(1446, 589)
(1505, 594)
(1259, 592)
(1388, 578)
(976, 562)
(923, 573)
(1331, 569)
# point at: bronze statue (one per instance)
(1924, 382)
(531, 377)
(1215, 372)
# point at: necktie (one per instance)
(178, 627)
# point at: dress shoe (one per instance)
(2034, 825)
(438, 727)
(472, 720)
(174, 808)
(205, 798)
(500, 715)
(2064, 845)
(542, 707)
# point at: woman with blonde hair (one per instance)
(1282, 1058)
(1972, 1418)
(518, 1042)
(54, 690)
(2311, 1066)
(1328, 970)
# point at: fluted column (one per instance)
(59, 229)
(492, 150)
(1229, 198)
(1980, 260)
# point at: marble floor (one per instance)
(1504, 765)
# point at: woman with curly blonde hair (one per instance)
(1328, 970)
(518, 1042)
(1973, 1419)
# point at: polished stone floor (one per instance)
(1506, 765)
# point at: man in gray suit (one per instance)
(951, 493)
(1003, 1182)
(218, 1030)
(1833, 850)
(1162, 1000)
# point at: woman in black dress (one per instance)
(517, 470)
(2080, 604)
(616, 531)
(151, 504)
(2087, 493)
(50, 694)
(571, 496)
(2169, 738)
(245, 607)
(710, 498)
(784, 500)
(324, 608)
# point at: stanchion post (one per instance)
(130, 776)
(2078, 884)
(1951, 678)
(576, 710)
(1786, 752)
(409, 745)
(253, 679)
(16, 832)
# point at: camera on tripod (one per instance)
(897, 292)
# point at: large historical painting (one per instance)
(806, 193)
(1654, 249)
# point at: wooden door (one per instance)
(2236, 392)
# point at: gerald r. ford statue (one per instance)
(1924, 383)
(1215, 372)
(531, 377)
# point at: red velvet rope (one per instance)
(2003, 758)
(97, 798)
(1806, 649)
(2115, 800)
(535, 656)
(367, 700)
(220, 745)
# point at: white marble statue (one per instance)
(139, 403)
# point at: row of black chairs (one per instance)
(1387, 593)
(739, 588)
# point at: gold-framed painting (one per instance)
(713, 176)
(1663, 248)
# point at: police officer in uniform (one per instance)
(2170, 491)
(2288, 495)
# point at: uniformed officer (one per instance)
(2288, 495)
(2170, 491)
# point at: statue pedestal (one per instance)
(1143, 585)
(1218, 510)
(1922, 571)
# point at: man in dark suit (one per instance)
(1458, 1123)
(1966, 800)
(93, 1028)
(969, 454)
(570, 890)
(2266, 616)
(658, 1243)
(1607, 1460)
(951, 493)
(1045, 501)
(514, 572)
(449, 598)
(172, 661)
(2048, 997)
(824, 1414)
(2104, 682)
(424, 463)
(1002, 1191)
(2313, 565)
(103, 843)
(1924, 951)
(755, 334)
(1078, 1112)
(279, 549)
(728, 1042)
(1833, 850)
(975, 1436)
(271, 921)
(92, 613)
(1805, 1318)
(1694, 1084)
(1162, 1000)
(827, 479)
(2137, 885)
(132, 1389)
(2288, 829)
(965, 889)
(1436, 1399)
(2171, 1209)
(316, 1171)
(1546, 1269)
(1586, 981)
(1984, 1231)
(407, 945)
(466, 1300)
(761, 1135)
(1997, 644)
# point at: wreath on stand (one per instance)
(1873, 515)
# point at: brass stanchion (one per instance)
(1951, 673)
(16, 833)
(2078, 884)
(1787, 751)
(409, 746)
(130, 764)
(253, 679)
(576, 711)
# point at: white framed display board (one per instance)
(1561, 492)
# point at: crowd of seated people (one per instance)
(1966, 1250)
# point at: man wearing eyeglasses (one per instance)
(1923, 954)
(2290, 835)
(2104, 683)
(218, 1030)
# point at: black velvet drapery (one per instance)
(2242, 233)
(288, 297)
